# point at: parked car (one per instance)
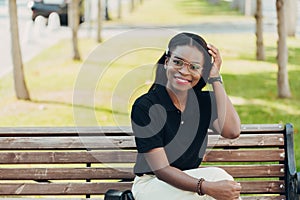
(46, 7)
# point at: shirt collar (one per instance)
(164, 98)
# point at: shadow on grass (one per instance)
(271, 55)
(98, 109)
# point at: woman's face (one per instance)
(183, 68)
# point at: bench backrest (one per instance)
(86, 162)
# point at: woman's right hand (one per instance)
(222, 190)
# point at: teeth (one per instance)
(182, 80)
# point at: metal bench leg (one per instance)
(298, 184)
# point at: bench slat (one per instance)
(245, 155)
(65, 173)
(113, 130)
(129, 156)
(248, 128)
(281, 197)
(70, 143)
(254, 171)
(65, 131)
(60, 188)
(242, 171)
(117, 142)
(254, 187)
(248, 140)
(67, 157)
(262, 187)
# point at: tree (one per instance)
(18, 72)
(99, 22)
(73, 21)
(282, 52)
(107, 17)
(260, 52)
(214, 2)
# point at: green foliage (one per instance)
(200, 7)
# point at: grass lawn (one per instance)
(116, 73)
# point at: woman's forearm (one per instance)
(228, 119)
(159, 164)
(177, 178)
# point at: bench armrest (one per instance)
(298, 182)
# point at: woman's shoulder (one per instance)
(155, 95)
(146, 100)
(205, 94)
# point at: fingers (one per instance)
(225, 190)
(212, 50)
(238, 186)
(236, 189)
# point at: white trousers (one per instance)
(148, 187)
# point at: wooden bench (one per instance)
(85, 162)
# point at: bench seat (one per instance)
(84, 162)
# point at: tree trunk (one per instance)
(291, 17)
(260, 52)
(282, 53)
(214, 2)
(107, 17)
(73, 21)
(88, 16)
(18, 72)
(235, 4)
(99, 22)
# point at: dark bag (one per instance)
(118, 195)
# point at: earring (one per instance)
(165, 66)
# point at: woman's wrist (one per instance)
(199, 186)
(205, 187)
(212, 80)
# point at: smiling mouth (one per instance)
(182, 80)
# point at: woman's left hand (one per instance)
(217, 60)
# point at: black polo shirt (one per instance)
(156, 122)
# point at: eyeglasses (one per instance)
(193, 68)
